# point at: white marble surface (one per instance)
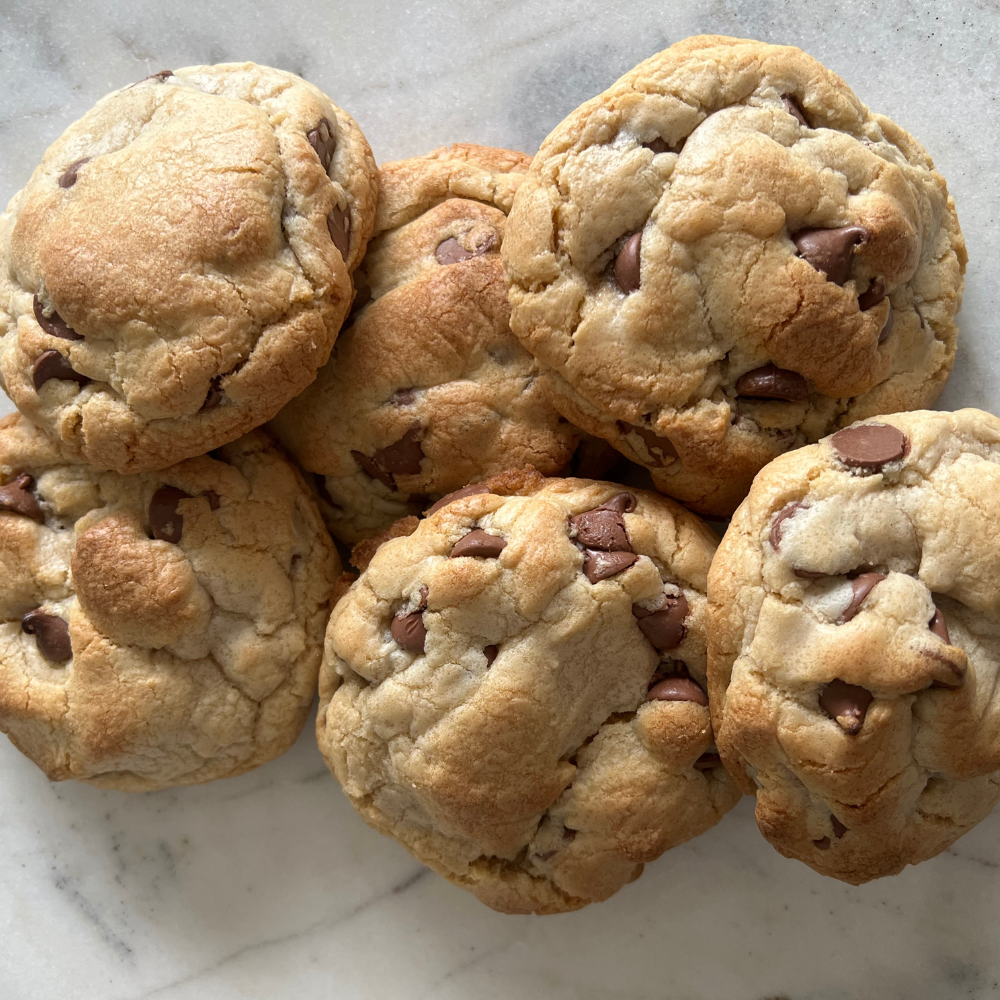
(268, 886)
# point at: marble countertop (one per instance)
(269, 886)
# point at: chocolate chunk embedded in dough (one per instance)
(664, 628)
(465, 491)
(677, 688)
(68, 177)
(51, 635)
(846, 703)
(54, 325)
(403, 456)
(771, 382)
(601, 529)
(793, 107)
(52, 364)
(831, 250)
(939, 626)
(18, 498)
(409, 631)
(862, 586)
(869, 446)
(627, 264)
(777, 525)
(164, 521)
(338, 222)
(600, 565)
(323, 140)
(479, 543)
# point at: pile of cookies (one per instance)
(419, 437)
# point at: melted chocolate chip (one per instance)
(450, 251)
(465, 491)
(677, 688)
(479, 543)
(622, 503)
(872, 297)
(600, 565)
(54, 325)
(409, 631)
(17, 498)
(831, 250)
(52, 364)
(838, 828)
(490, 652)
(403, 397)
(373, 470)
(403, 456)
(789, 510)
(51, 635)
(771, 382)
(660, 449)
(862, 586)
(322, 139)
(627, 264)
(164, 521)
(68, 178)
(601, 529)
(869, 446)
(793, 107)
(887, 329)
(338, 222)
(847, 703)
(215, 394)
(664, 628)
(213, 499)
(939, 626)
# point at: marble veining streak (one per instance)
(268, 886)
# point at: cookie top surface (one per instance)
(726, 255)
(853, 648)
(162, 628)
(178, 266)
(427, 388)
(516, 690)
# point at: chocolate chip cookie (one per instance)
(516, 690)
(178, 266)
(162, 628)
(854, 642)
(725, 256)
(427, 388)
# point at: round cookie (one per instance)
(725, 256)
(515, 691)
(427, 388)
(854, 642)
(178, 266)
(157, 629)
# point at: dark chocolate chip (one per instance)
(403, 456)
(677, 688)
(403, 397)
(450, 251)
(869, 446)
(887, 329)
(51, 635)
(322, 139)
(664, 628)
(838, 828)
(823, 844)
(862, 586)
(939, 626)
(490, 652)
(657, 145)
(707, 761)
(159, 77)
(18, 498)
(479, 543)
(601, 529)
(373, 470)
(465, 491)
(54, 325)
(793, 107)
(338, 222)
(622, 503)
(627, 264)
(164, 521)
(215, 394)
(789, 510)
(600, 565)
(660, 449)
(213, 499)
(409, 631)
(68, 178)
(830, 250)
(52, 364)
(771, 382)
(847, 703)
(874, 295)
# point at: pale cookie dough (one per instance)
(515, 691)
(157, 629)
(854, 642)
(725, 256)
(179, 265)
(427, 389)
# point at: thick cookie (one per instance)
(178, 266)
(725, 256)
(515, 691)
(427, 389)
(854, 642)
(157, 629)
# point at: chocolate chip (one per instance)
(823, 844)
(54, 325)
(409, 631)
(677, 688)
(660, 449)
(322, 139)
(771, 382)
(657, 145)
(789, 510)
(479, 543)
(838, 828)
(490, 652)
(664, 628)
(17, 498)
(793, 107)
(215, 394)
(861, 586)
(707, 761)
(465, 491)
(627, 264)
(869, 446)
(450, 251)
(847, 703)
(622, 503)
(373, 470)
(51, 364)
(164, 521)
(887, 329)
(939, 626)
(159, 77)
(830, 250)
(874, 295)
(403, 397)
(600, 565)
(213, 499)
(601, 529)
(51, 635)
(338, 222)
(68, 178)
(403, 456)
